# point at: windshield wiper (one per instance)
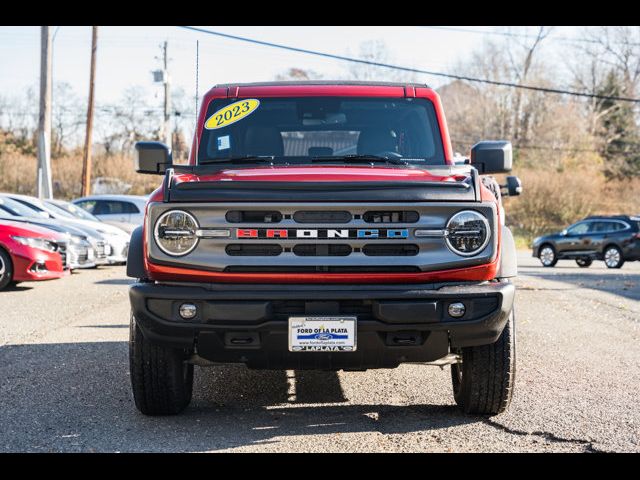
(359, 159)
(239, 159)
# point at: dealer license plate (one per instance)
(322, 334)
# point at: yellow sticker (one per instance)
(232, 113)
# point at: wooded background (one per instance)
(575, 155)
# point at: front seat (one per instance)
(263, 141)
(374, 141)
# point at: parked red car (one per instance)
(29, 253)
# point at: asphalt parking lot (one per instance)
(65, 381)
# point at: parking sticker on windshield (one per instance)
(224, 143)
(232, 113)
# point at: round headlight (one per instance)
(467, 233)
(175, 232)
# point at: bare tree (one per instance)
(19, 119)
(521, 67)
(609, 65)
(378, 52)
(67, 118)
(130, 120)
(295, 73)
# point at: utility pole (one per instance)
(44, 120)
(86, 161)
(167, 97)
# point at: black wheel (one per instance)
(483, 383)
(613, 257)
(6, 269)
(162, 381)
(548, 256)
(584, 262)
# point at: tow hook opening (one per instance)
(241, 339)
(404, 339)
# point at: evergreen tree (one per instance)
(620, 138)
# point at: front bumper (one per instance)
(32, 264)
(396, 323)
(118, 250)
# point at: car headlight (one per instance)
(39, 243)
(467, 233)
(175, 232)
(77, 239)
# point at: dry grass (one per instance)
(552, 200)
(18, 174)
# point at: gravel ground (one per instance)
(65, 380)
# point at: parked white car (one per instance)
(124, 211)
(115, 245)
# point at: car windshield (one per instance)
(79, 212)
(71, 211)
(56, 209)
(18, 208)
(321, 129)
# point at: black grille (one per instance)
(62, 249)
(322, 250)
(283, 309)
(391, 250)
(253, 250)
(388, 216)
(320, 269)
(100, 250)
(322, 217)
(253, 216)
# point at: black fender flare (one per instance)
(508, 255)
(135, 256)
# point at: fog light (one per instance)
(457, 309)
(188, 311)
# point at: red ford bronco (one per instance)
(323, 225)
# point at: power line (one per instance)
(409, 69)
(514, 35)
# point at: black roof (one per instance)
(613, 217)
(321, 82)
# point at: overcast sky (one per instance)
(126, 55)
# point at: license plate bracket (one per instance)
(322, 334)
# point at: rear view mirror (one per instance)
(152, 157)
(492, 157)
(513, 186)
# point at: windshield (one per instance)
(59, 210)
(71, 211)
(17, 208)
(299, 130)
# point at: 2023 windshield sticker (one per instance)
(232, 113)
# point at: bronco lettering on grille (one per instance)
(324, 233)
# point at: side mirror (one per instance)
(513, 186)
(152, 157)
(564, 232)
(492, 157)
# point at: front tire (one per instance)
(161, 380)
(6, 269)
(584, 262)
(483, 383)
(613, 257)
(548, 256)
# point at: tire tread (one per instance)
(157, 376)
(488, 375)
